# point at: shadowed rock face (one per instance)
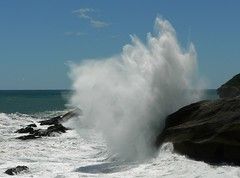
(206, 130)
(61, 119)
(230, 88)
(17, 170)
(28, 129)
(57, 128)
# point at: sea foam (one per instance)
(128, 96)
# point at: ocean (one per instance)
(33, 101)
(36, 101)
(82, 153)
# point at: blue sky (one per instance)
(37, 38)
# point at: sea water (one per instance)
(84, 153)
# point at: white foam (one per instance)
(62, 155)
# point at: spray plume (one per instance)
(128, 96)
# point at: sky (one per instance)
(39, 38)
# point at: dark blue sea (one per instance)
(34, 101)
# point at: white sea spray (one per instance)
(128, 96)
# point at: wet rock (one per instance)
(52, 121)
(17, 170)
(61, 119)
(27, 129)
(28, 137)
(32, 125)
(56, 126)
(50, 131)
(230, 88)
(208, 131)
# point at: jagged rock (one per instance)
(52, 121)
(56, 127)
(61, 119)
(27, 129)
(17, 170)
(230, 88)
(32, 125)
(28, 137)
(206, 130)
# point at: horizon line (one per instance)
(73, 89)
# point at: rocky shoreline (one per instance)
(35, 131)
(208, 131)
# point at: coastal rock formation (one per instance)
(208, 131)
(28, 129)
(55, 126)
(230, 88)
(17, 170)
(28, 137)
(62, 118)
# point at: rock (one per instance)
(28, 137)
(57, 128)
(17, 170)
(52, 121)
(230, 88)
(32, 125)
(60, 119)
(27, 129)
(208, 131)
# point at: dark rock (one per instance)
(206, 130)
(32, 125)
(25, 130)
(230, 88)
(52, 121)
(61, 119)
(58, 128)
(17, 170)
(28, 137)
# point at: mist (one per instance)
(127, 97)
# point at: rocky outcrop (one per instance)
(230, 88)
(206, 130)
(28, 129)
(28, 137)
(55, 126)
(62, 118)
(17, 170)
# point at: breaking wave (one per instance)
(128, 96)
